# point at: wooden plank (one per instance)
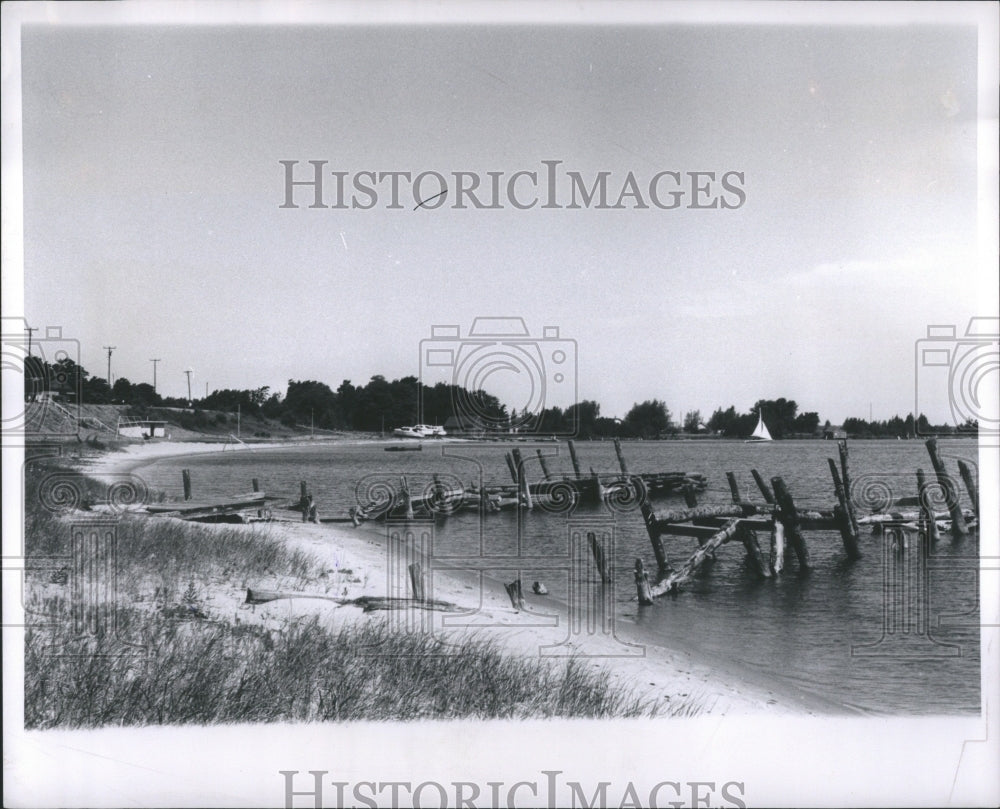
(671, 582)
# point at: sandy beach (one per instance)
(354, 564)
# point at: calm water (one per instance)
(822, 632)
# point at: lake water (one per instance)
(849, 632)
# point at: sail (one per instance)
(761, 433)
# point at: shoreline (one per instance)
(667, 676)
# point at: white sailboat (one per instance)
(760, 434)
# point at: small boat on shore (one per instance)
(408, 432)
(761, 435)
(404, 448)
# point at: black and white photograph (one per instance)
(481, 405)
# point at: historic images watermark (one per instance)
(313, 184)
(315, 788)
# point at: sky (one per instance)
(153, 194)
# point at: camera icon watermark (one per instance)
(499, 353)
(960, 376)
(41, 381)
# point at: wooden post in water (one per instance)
(958, 526)
(545, 466)
(621, 458)
(764, 490)
(847, 532)
(926, 511)
(734, 488)
(642, 585)
(790, 519)
(524, 492)
(970, 486)
(595, 549)
(662, 565)
(256, 484)
(777, 546)
(407, 502)
(842, 449)
(511, 466)
(754, 555)
(417, 581)
(690, 498)
(186, 478)
(574, 459)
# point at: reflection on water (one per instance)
(844, 630)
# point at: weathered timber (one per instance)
(926, 514)
(524, 490)
(621, 458)
(417, 581)
(764, 490)
(734, 488)
(698, 558)
(574, 459)
(653, 529)
(690, 498)
(970, 485)
(848, 504)
(642, 590)
(186, 478)
(303, 493)
(404, 490)
(515, 594)
(545, 466)
(256, 484)
(848, 530)
(958, 526)
(686, 515)
(777, 546)
(368, 603)
(754, 555)
(597, 551)
(790, 518)
(511, 466)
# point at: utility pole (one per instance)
(154, 372)
(312, 424)
(237, 419)
(109, 350)
(30, 330)
(189, 372)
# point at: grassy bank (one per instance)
(165, 654)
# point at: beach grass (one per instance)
(162, 657)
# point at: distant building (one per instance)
(834, 433)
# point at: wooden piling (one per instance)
(595, 549)
(574, 459)
(764, 490)
(690, 498)
(662, 565)
(545, 466)
(621, 458)
(848, 532)
(642, 590)
(777, 546)
(417, 581)
(842, 449)
(927, 513)
(754, 554)
(970, 486)
(186, 478)
(407, 501)
(734, 488)
(256, 484)
(524, 491)
(303, 493)
(958, 526)
(790, 519)
(511, 466)
(697, 559)
(515, 594)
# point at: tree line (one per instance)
(381, 404)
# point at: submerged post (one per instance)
(927, 513)
(790, 519)
(511, 466)
(524, 492)
(734, 488)
(847, 532)
(642, 585)
(662, 565)
(256, 484)
(595, 549)
(842, 449)
(407, 502)
(958, 526)
(777, 546)
(970, 486)
(621, 458)
(417, 581)
(545, 467)
(764, 490)
(186, 478)
(754, 555)
(574, 459)
(690, 498)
